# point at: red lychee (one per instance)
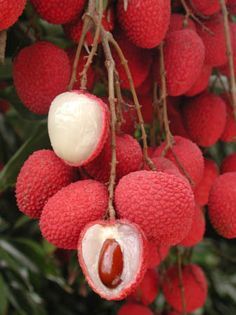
(202, 81)
(146, 86)
(134, 309)
(146, 102)
(231, 4)
(175, 120)
(156, 254)
(229, 133)
(229, 164)
(10, 12)
(179, 22)
(205, 7)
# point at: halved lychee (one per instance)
(113, 257)
(78, 125)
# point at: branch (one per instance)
(3, 42)
(120, 102)
(183, 301)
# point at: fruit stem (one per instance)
(120, 101)
(155, 105)
(3, 41)
(229, 54)
(181, 282)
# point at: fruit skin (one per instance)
(205, 118)
(205, 7)
(42, 175)
(232, 6)
(141, 197)
(222, 205)
(10, 12)
(175, 120)
(184, 55)
(202, 81)
(195, 287)
(144, 22)
(134, 309)
(70, 209)
(128, 155)
(189, 156)
(59, 11)
(229, 133)
(177, 23)
(146, 102)
(156, 254)
(229, 164)
(37, 75)
(201, 191)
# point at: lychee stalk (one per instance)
(3, 41)
(181, 282)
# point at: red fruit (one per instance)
(189, 158)
(145, 22)
(10, 12)
(201, 191)
(229, 133)
(179, 22)
(197, 230)
(70, 209)
(205, 119)
(184, 55)
(78, 126)
(59, 11)
(229, 164)
(195, 287)
(113, 256)
(37, 74)
(175, 121)
(162, 204)
(202, 81)
(205, 7)
(146, 102)
(134, 309)
(41, 176)
(232, 6)
(222, 205)
(156, 254)
(148, 289)
(146, 86)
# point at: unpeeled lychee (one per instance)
(179, 22)
(40, 72)
(156, 254)
(10, 12)
(164, 165)
(41, 176)
(229, 164)
(134, 309)
(70, 209)
(175, 120)
(205, 7)
(229, 133)
(162, 204)
(202, 81)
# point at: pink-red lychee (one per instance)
(156, 254)
(134, 309)
(229, 164)
(179, 22)
(205, 7)
(202, 81)
(10, 12)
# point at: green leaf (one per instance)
(3, 296)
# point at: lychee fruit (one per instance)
(179, 22)
(187, 156)
(68, 211)
(78, 126)
(128, 154)
(231, 4)
(134, 309)
(205, 118)
(146, 87)
(113, 256)
(222, 205)
(176, 121)
(162, 204)
(229, 133)
(146, 102)
(41, 176)
(201, 191)
(37, 75)
(10, 12)
(194, 284)
(156, 254)
(205, 7)
(229, 164)
(59, 11)
(202, 81)
(145, 22)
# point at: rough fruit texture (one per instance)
(205, 7)
(10, 12)
(69, 210)
(229, 133)
(202, 81)
(162, 204)
(156, 254)
(134, 309)
(222, 205)
(195, 287)
(229, 164)
(41, 176)
(178, 22)
(189, 158)
(201, 191)
(128, 155)
(37, 75)
(58, 11)
(205, 119)
(144, 22)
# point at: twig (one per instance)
(155, 115)
(182, 291)
(120, 102)
(3, 42)
(229, 54)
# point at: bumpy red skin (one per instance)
(205, 118)
(229, 133)
(69, 210)
(37, 75)
(143, 259)
(10, 12)
(201, 191)
(42, 175)
(202, 81)
(184, 55)
(59, 11)
(229, 164)
(145, 22)
(232, 6)
(197, 230)
(222, 205)
(195, 287)
(156, 254)
(128, 155)
(189, 156)
(134, 309)
(205, 7)
(177, 23)
(141, 197)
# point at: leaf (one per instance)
(3, 296)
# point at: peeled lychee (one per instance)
(10, 12)
(78, 125)
(205, 7)
(112, 255)
(145, 22)
(195, 287)
(179, 22)
(229, 133)
(134, 309)
(222, 205)
(229, 164)
(202, 81)
(41, 176)
(156, 254)
(40, 72)
(70, 209)
(205, 118)
(162, 204)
